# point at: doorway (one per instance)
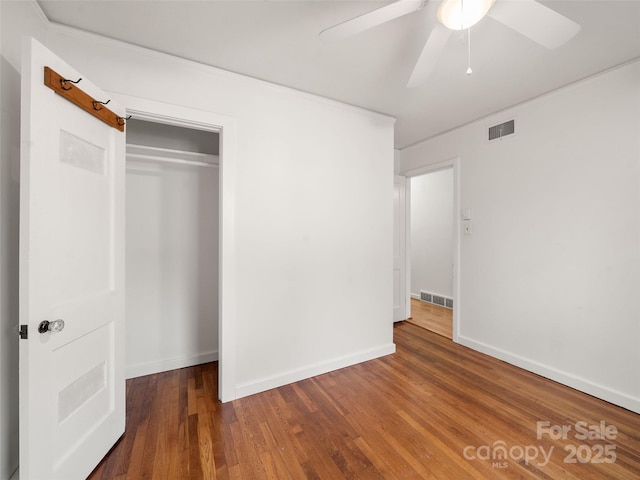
(172, 226)
(226, 129)
(433, 251)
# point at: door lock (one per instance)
(53, 327)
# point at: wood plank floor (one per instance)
(432, 317)
(434, 409)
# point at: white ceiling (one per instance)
(278, 41)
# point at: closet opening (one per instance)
(172, 247)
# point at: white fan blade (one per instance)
(535, 21)
(369, 20)
(429, 56)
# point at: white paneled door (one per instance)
(72, 386)
(400, 286)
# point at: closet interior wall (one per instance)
(172, 187)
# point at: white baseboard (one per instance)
(141, 369)
(607, 394)
(267, 383)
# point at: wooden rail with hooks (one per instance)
(67, 89)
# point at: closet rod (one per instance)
(152, 158)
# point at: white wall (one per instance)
(9, 205)
(432, 233)
(315, 185)
(172, 266)
(312, 207)
(313, 212)
(551, 274)
(13, 17)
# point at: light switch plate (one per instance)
(466, 214)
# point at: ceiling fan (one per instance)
(527, 17)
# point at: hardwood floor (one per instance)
(434, 409)
(432, 317)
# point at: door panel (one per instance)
(72, 395)
(399, 250)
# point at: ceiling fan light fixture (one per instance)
(462, 14)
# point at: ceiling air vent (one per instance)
(502, 130)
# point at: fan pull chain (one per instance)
(469, 71)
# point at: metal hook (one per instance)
(121, 121)
(63, 83)
(96, 104)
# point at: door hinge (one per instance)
(23, 332)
